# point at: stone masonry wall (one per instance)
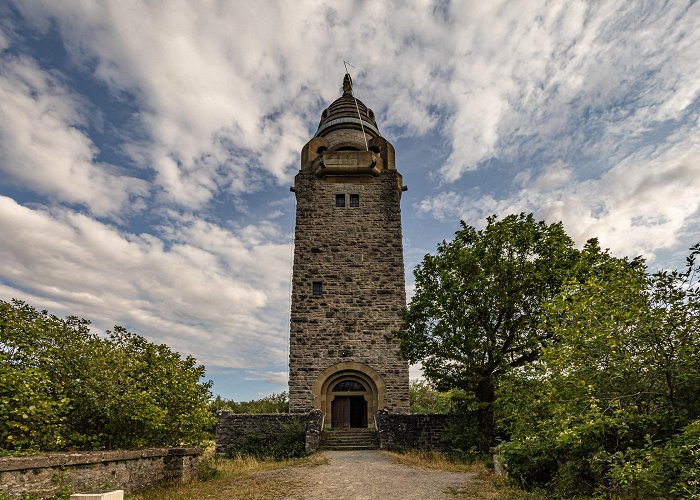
(358, 255)
(44, 475)
(418, 430)
(234, 429)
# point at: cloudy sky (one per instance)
(147, 148)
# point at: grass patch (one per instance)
(244, 478)
(484, 486)
(433, 460)
(487, 486)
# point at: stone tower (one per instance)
(348, 278)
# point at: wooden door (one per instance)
(340, 407)
(358, 411)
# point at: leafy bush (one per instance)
(208, 469)
(467, 442)
(63, 387)
(669, 471)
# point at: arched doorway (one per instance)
(348, 404)
(348, 395)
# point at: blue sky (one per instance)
(147, 148)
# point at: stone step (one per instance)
(349, 439)
(349, 442)
(364, 435)
(348, 447)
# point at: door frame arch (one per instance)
(323, 388)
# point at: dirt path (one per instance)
(369, 475)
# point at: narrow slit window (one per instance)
(354, 200)
(318, 288)
(340, 200)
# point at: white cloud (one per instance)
(553, 177)
(201, 288)
(568, 79)
(228, 91)
(640, 206)
(495, 74)
(590, 108)
(415, 372)
(42, 147)
(218, 90)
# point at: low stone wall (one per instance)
(235, 429)
(425, 431)
(45, 475)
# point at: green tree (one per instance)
(63, 387)
(478, 307)
(40, 357)
(613, 405)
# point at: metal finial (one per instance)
(347, 84)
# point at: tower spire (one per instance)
(347, 90)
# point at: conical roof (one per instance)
(343, 113)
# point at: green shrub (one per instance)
(30, 415)
(464, 435)
(611, 408)
(571, 455)
(670, 470)
(208, 469)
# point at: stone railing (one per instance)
(45, 475)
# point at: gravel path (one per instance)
(368, 474)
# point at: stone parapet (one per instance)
(424, 431)
(234, 430)
(131, 470)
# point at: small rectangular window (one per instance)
(339, 200)
(354, 200)
(318, 288)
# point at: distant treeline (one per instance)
(274, 403)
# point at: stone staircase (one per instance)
(349, 439)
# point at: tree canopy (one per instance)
(479, 302)
(584, 368)
(63, 387)
(616, 397)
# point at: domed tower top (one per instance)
(348, 143)
(349, 115)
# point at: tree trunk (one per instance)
(486, 395)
